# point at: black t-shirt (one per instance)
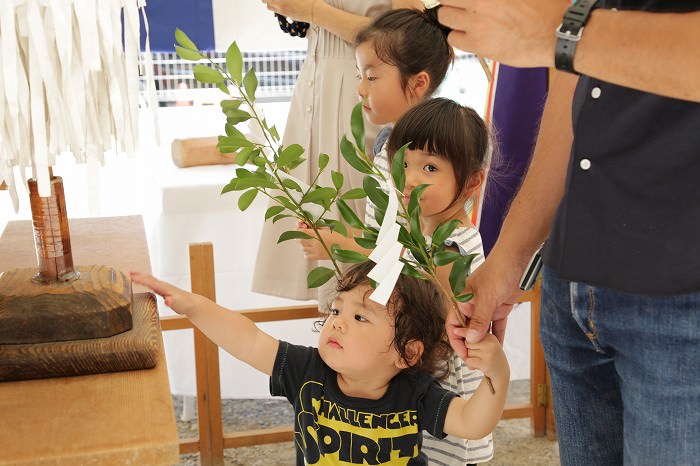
(630, 216)
(332, 428)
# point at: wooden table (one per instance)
(107, 419)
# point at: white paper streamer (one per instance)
(387, 253)
(68, 83)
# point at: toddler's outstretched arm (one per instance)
(232, 331)
(478, 416)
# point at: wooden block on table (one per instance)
(134, 349)
(95, 305)
(195, 152)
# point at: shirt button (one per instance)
(595, 92)
(311, 82)
(585, 164)
(308, 109)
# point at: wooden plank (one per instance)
(537, 363)
(248, 438)
(516, 411)
(550, 426)
(206, 353)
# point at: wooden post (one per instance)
(211, 431)
(538, 368)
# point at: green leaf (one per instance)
(351, 157)
(230, 104)
(294, 234)
(255, 182)
(244, 173)
(320, 195)
(235, 116)
(366, 242)
(415, 229)
(356, 193)
(404, 236)
(374, 192)
(347, 256)
(250, 83)
(244, 154)
(459, 272)
(379, 213)
(319, 276)
(323, 160)
(441, 258)
(231, 186)
(204, 74)
(280, 217)
(184, 41)
(259, 160)
(463, 298)
(296, 163)
(415, 195)
(289, 154)
(286, 202)
(246, 199)
(273, 132)
(232, 131)
(349, 215)
(291, 184)
(337, 178)
(187, 54)
(337, 226)
(234, 62)
(411, 271)
(223, 88)
(233, 141)
(357, 125)
(443, 231)
(398, 170)
(272, 211)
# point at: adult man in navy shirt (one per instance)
(613, 188)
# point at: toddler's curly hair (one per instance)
(418, 309)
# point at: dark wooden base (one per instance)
(96, 305)
(134, 349)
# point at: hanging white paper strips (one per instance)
(69, 81)
(387, 253)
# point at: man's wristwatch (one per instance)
(569, 33)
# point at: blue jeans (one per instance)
(625, 373)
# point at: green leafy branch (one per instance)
(265, 166)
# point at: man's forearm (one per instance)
(652, 52)
(530, 215)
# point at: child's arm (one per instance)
(476, 417)
(229, 329)
(313, 249)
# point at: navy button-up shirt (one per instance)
(630, 216)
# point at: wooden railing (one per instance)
(213, 440)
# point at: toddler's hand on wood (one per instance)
(176, 299)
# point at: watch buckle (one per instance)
(567, 35)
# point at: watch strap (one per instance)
(569, 33)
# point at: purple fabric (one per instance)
(517, 108)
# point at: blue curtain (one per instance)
(194, 17)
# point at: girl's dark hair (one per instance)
(418, 309)
(447, 129)
(413, 41)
